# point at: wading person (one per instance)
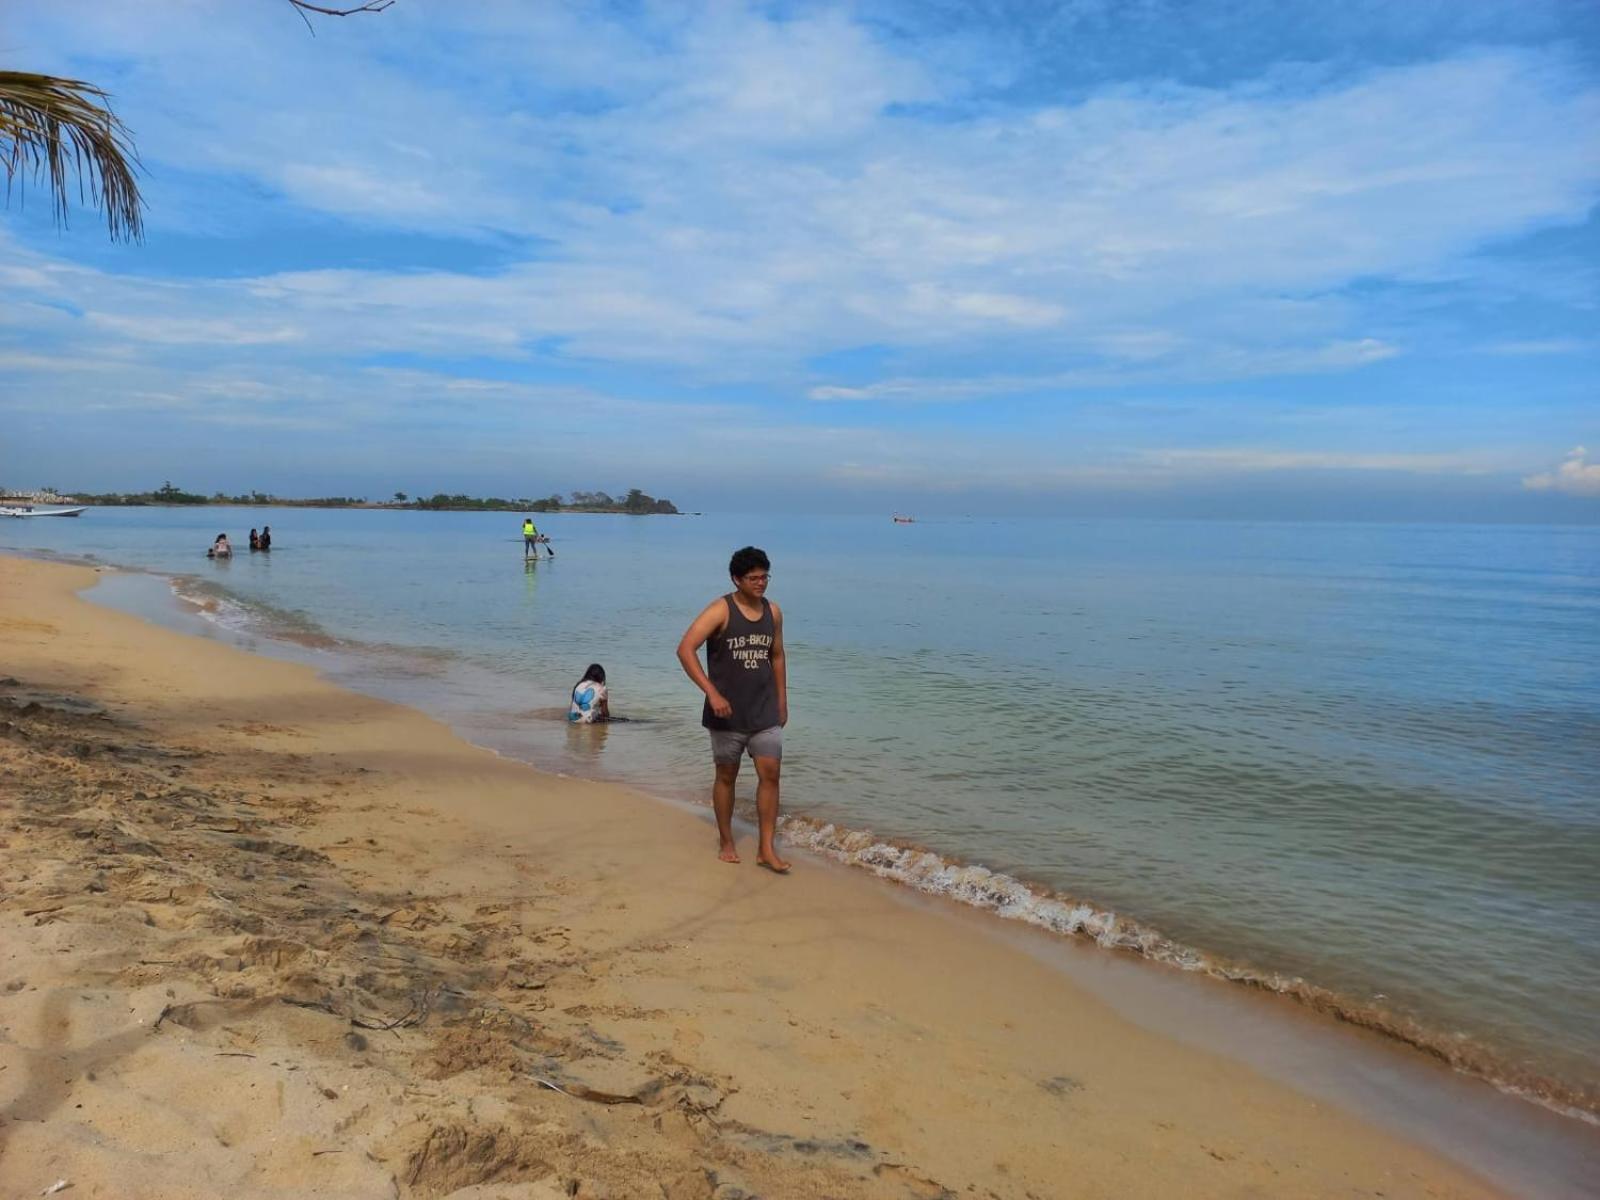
(590, 704)
(747, 695)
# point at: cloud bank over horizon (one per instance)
(848, 255)
(1575, 475)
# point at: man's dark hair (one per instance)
(747, 560)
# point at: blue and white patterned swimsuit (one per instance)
(586, 698)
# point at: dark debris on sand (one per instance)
(214, 895)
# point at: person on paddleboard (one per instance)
(746, 686)
(531, 539)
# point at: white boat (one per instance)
(27, 510)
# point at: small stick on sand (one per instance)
(579, 1092)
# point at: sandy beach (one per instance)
(263, 937)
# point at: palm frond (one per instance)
(52, 128)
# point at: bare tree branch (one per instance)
(372, 6)
(303, 7)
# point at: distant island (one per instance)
(635, 503)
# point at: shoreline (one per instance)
(372, 506)
(872, 993)
(1012, 898)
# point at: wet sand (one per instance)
(263, 937)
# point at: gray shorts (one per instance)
(729, 745)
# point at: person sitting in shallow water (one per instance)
(220, 548)
(590, 704)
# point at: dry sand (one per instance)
(261, 937)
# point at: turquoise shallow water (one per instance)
(1360, 762)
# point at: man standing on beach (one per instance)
(747, 696)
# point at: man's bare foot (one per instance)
(770, 860)
(728, 854)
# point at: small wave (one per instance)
(1013, 899)
(221, 607)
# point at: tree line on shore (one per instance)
(635, 502)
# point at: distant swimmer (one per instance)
(746, 686)
(591, 705)
(255, 540)
(531, 537)
(266, 537)
(220, 548)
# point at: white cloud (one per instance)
(941, 306)
(189, 329)
(1252, 459)
(56, 363)
(342, 188)
(1153, 359)
(914, 391)
(710, 186)
(1539, 347)
(1575, 475)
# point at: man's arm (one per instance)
(705, 625)
(780, 666)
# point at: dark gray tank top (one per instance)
(739, 664)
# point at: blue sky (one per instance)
(1145, 257)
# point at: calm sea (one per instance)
(1360, 763)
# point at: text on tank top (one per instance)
(739, 665)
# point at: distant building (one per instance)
(41, 497)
